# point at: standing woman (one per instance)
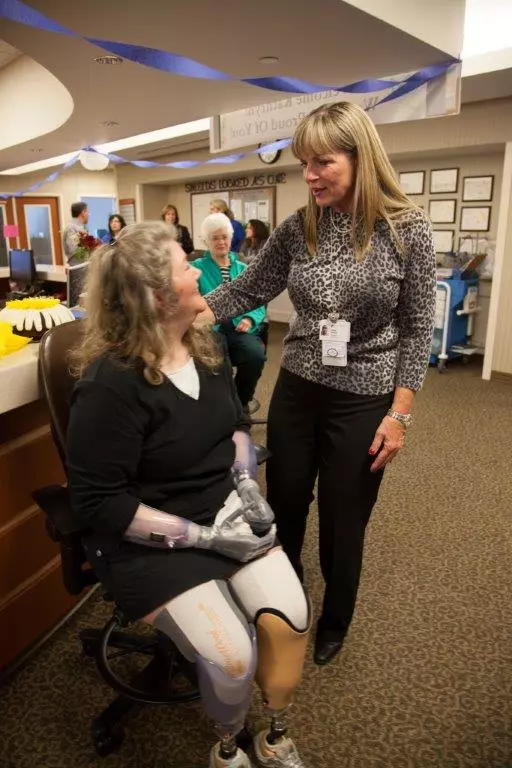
(170, 216)
(116, 223)
(220, 206)
(359, 265)
(256, 235)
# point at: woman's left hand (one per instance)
(244, 326)
(388, 440)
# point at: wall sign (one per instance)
(238, 182)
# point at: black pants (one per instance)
(247, 355)
(313, 431)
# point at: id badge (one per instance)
(334, 338)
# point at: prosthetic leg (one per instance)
(210, 630)
(282, 619)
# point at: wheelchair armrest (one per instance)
(61, 522)
(64, 527)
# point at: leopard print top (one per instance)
(387, 297)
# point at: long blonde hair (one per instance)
(221, 206)
(345, 127)
(130, 298)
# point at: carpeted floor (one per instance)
(425, 676)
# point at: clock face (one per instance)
(269, 157)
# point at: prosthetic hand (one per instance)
(256, 511)
(228, 536)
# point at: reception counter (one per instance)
(32, 597)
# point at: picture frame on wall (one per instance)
(477, 188)
(443, 180)
(412, 182)
(475, 218)
(443, 240)
(442, 211)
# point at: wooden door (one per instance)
(39, 226)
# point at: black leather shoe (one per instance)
(326, 650)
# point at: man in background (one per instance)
(80, 217)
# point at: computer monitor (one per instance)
(22, 267)
(76, 283)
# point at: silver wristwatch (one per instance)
(405, 419)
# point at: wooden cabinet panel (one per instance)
(25, 548)
(33, 610)
(25, 465)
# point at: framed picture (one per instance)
(475, 219)
(477, 188)
(412, 182)
(444, 180)
(443, 240)
(442, 211)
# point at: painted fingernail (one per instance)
(371, 451)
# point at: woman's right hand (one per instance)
(234, 539)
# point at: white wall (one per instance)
(68, 188)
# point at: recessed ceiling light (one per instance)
(109, 123)
(108, 60)
(269, 59)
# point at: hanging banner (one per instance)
(410, 98)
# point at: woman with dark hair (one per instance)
(116, 223)
(256, 235)
(170, 216)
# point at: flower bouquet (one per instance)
(86, 244)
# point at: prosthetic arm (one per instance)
(228, 535)
(256, 511)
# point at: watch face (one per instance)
(269, 157)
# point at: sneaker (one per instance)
(281, 755)
(240, 760)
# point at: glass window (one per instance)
(39, 232)
(100, 209)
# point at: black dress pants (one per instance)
(316, 431)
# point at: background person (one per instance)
(360, 258)
(116, 223)
(220, 265)
(170, 216)
(70, 233)
(256, 235)
(220, 206)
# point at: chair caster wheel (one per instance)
(106, 743)
(88, 649)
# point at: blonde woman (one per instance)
(359, 266)
(161, 469)
(218, 205)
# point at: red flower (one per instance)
(88, 241)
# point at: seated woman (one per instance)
(218, 265)
(256, 235)
(116, 223)
(218, 205)
(170, 216)
(161, 471)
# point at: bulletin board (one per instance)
(255, 203)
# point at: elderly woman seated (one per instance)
(218, 265)
(161, 470)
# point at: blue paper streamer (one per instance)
(174, 64)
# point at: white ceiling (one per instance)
(326, 41)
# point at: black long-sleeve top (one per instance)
(131, 442)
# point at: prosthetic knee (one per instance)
(282, 626)
(225, 655)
